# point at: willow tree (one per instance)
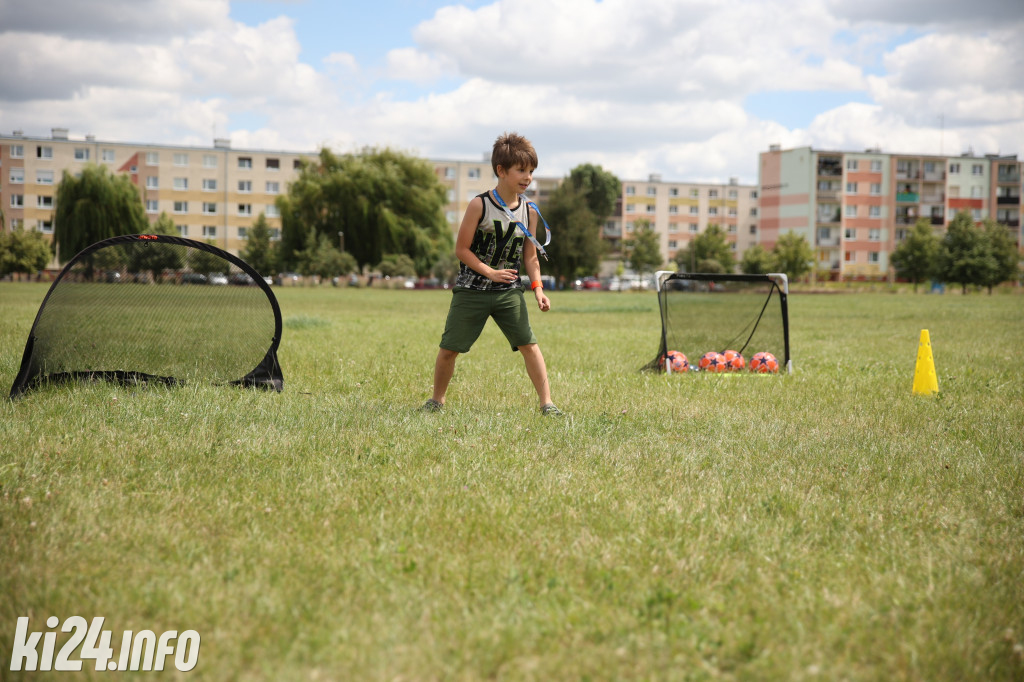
(93, 206)
(374, 203)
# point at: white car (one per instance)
(217, 278)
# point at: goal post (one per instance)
(703, 312)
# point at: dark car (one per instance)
(193, 278)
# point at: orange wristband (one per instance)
(534, 285)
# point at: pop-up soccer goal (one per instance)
(139, 308)
(704, 312)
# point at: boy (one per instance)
(490, 248)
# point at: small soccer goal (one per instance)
(710, 319)
(155, 308)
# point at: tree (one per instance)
(321, 257)
(446, 267)
(23, 251)
(1004, 251)
(708, 252)
(965, 255)
(94, 206)
(576, 211)
(203, 261)
(915, 257)
(792, 255)
(259, 251)
(383, 201)
(397, 265)
(756, 261)
(143, 258)
(644, 250)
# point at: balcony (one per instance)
(1007, 201)
(937, 220)
(828, 241)
(908, 197)
(828, 195)
(1008, 176)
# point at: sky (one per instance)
(692, 90)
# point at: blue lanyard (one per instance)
(524, 228)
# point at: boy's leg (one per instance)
(538, 371)
(444, 368)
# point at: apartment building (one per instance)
(211, 193)
(679, 211)
(854, 208)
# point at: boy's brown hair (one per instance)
(511, 150)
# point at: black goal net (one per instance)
(703, 313)
(155, 308)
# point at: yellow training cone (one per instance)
(925, 381)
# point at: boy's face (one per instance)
(517, 177)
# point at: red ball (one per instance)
(712, 362)
(676, 360)
(764, 363)
(734, 360)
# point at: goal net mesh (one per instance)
(702, 312)
(140, 308)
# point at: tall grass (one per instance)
(823, 525)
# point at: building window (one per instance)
(449, 173)
(851, 211)
(181, 184)
(243, 233)
(876, 188)
(44, 177)
(245, 162)
(473, 174)
(874, 211)
(976, 192)
(182, 230)
(876, 166)
(273, 164)
(46, 226)
(181, 207)
(630, 208)
(712, 194)
(630, 190)
(152, 158)
(44, 202)
(673, 210)
(652, 191)
(209, 160)
(694, 228)
(694, 193)
(851, 188)
(753, 229)
(850, 234)
(153, 182)
(209, 208)
(17, 201)
(275, 234)
(17, 151)
(245, 209)
(673, 191)
(650, 209)
(209, 230)
(272, 212)
(732, 211)
(17, 176)
(874, 235)
(273, 187)
(152, 206)
(107, 155)
(977, 169)
(851, 164)
(872, 256)
(850, 257)
(180, 159)
(954, 169)
(245, 186)
(81, 153)
(44, 152)
(694, 210)
(209, 185)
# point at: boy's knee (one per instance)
(445, 354)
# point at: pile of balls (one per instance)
(712, 361)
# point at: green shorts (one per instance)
(470, 309)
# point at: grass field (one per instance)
(825, 525)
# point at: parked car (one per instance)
(590, 283)
(193, 278)
(217, 278)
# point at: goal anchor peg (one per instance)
(925, 381)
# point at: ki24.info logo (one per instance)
(142, 650)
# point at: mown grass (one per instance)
(824, 525)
